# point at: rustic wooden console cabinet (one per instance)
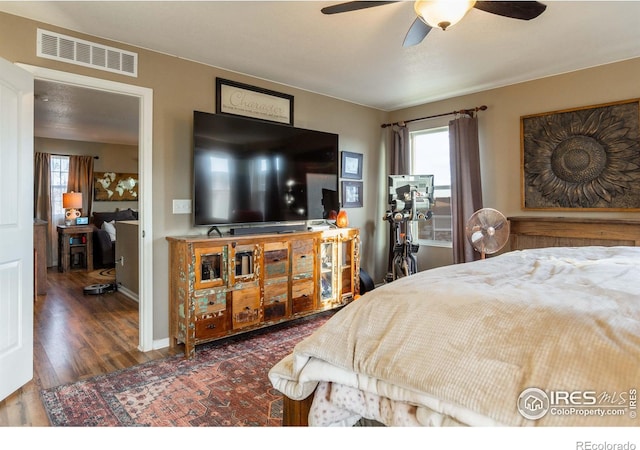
(224, 286)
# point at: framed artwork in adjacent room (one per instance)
(241, 99)
(112, 186)
(352, 194)
(351, 165)
(582, 159)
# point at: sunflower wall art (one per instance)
(587, 158)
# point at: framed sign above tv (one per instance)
(240, 99)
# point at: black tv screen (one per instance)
(251, 171)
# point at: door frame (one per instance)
(145, 166)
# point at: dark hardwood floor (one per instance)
(76, 336)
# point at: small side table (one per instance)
(75, 247)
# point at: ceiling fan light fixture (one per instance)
(442, 13)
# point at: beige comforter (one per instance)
(459, 344)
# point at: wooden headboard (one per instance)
(535, 232)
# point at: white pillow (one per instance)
(110, 228)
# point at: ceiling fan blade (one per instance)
(416, 33)
(515, 10)
(351, 6)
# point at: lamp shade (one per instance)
(72, 200)
(442, 13)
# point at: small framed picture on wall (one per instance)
(351, 165)
(352, 194)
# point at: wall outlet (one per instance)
(182, 206)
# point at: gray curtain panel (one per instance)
(400, 156)
(466, 185)
(399, 166)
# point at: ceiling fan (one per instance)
(446, 13)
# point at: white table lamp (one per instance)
(71, 202)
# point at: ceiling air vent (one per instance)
(84, 53)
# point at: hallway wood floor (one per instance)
(76, 336)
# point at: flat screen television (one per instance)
(249, 171)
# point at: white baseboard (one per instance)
(129, 293)
(161, 343)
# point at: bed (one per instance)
(544, 334)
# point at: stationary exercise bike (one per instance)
(411, 199)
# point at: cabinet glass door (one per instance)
(327, 290)
(346, 267)
(245, 264)
(210, 267)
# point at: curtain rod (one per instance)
(462, 111)
(59, 154)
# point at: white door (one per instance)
(16, 228)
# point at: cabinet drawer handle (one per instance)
(211, 326)
(212, 303)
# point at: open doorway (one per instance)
(101, 130)
(144, 97)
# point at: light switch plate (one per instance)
(181, 206)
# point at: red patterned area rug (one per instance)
(225, 384)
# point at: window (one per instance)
(430, 156)
(59, 179)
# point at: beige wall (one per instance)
(499, 129)
(180, 87)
